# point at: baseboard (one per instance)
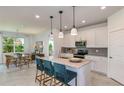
(117, 82)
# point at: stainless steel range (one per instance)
(80, 53)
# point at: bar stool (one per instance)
(64, 75)
(39, 67)
(49, 72)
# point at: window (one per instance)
(8, 44)
(11, 44)
(19, 45)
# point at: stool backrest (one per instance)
(48, 68)
(60, 72)
(39, 64)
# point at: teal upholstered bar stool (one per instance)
(49, 72)
(39, 67)
(64, 75)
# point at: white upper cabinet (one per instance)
(90, 38)
(95, 37)
(101, 37)
(116, 21)
(81, 36)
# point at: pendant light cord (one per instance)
(60, 12)
(60, 22)
(51, 24)
(74, 16)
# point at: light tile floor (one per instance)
(26, 76)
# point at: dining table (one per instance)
(18, 60)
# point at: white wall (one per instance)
(44, 36)
(116, 21)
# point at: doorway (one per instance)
(116, 61)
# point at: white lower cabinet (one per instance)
(98, 64)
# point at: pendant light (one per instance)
(51, 33)
(61, 35)
(74, 30)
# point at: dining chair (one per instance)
(10, 60)
(63, 75)
(26, 59)
(49, 72)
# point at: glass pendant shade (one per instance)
(61, 35)
(51, 35)
(74, 31)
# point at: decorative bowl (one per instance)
(75, 60)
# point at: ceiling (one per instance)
(22, 18)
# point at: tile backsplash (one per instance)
(98, 51)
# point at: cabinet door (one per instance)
(101, 37)
(100, 64)
(90, 58)
(81, 36)
(69, 41)
(90, 37)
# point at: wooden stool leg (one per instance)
(36, 75)
(40, 79)
(51, 81)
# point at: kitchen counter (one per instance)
(67, 62)
(82, 68)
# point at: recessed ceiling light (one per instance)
(83, 21)
(103, 7)
(65, 26)
(37, 16)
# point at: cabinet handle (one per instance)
(110, 57)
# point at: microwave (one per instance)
(80, 43)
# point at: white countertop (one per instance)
(66, 61)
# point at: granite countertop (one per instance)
(66, 61)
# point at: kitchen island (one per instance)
(82, 68)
